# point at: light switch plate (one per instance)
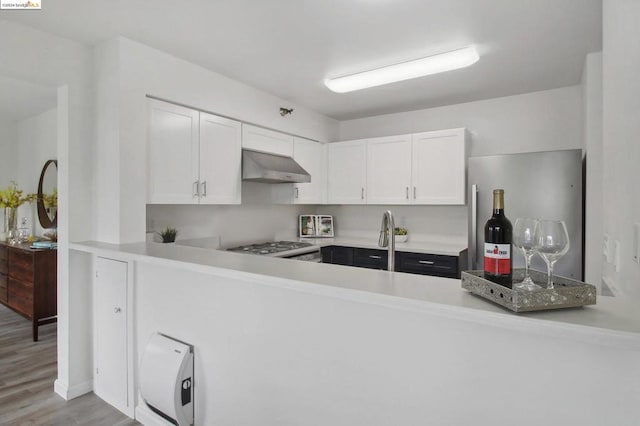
(616, 255)
(606, 249)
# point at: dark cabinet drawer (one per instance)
(20, 296)
(21, 262)
(3, 287)
(337, 255)
(427, 264)
(370, 258)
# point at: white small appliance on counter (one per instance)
(315, 225)
(166, 379)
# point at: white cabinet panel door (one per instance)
(347, 172)
(172, 153)
(220, 160)
(389, 170)
(111, 337)
(439, 167)
(312, 157)
(266, 140)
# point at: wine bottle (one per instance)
(497, 243)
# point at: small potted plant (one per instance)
(401, 235)
(10, 199)
(169, 235)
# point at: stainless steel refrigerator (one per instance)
(544, 185)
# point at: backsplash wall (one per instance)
(255, 220)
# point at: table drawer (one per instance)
(427, 264)
(370, 258)
(3, 287)
(21, 262)
(20, 296)
(3, 253)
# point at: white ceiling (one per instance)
(20, 99)
(288, 47)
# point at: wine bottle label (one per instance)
(497, 258)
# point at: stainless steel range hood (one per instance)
(260, 166)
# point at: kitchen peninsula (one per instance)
(286, 342)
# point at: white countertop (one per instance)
(611, 318)
(431, 247)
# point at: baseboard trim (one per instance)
(74, 391)
(148, 418)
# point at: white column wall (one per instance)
(621, 149)
(592, 105)
(64, 65)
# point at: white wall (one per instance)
(8, 155)
(37, 143)
(592, 107)
(540, 121)
(621, 129)
(146, 71)
(256, 220)
(266, 355)
(9, 145)
(62, 64)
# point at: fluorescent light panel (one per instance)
(405, 71)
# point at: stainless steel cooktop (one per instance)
(277, 248)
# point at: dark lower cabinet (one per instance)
(413, 263)
(428, 264)
(370, 258)
(338, 255)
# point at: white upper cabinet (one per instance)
(347, 172)
(173, 154)
(422, 168)
(194, 157)
(265, 140)
(439, 167)
(311, 156)
(389, 170)
(220, 160)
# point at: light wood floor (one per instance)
(27, 373)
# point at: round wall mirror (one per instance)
(48, 195)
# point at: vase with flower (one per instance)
(10, 199)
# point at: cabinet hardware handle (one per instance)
(375, 256)
(196, 189)
(297, 192)
(414, 192)
(362, 192)
(426, 262)
(204, 188)
(117, 310)
(407, 191)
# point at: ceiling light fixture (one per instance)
(447, 61)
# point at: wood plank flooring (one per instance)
(27, 373)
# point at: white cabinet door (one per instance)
(312, 157)
(389, 170)
(220, 160)
(172, 153)
(266, 140)
(439, 167)
(347, 172)
(111, 333)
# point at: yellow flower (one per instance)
(12, 196)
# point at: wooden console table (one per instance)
(28, 282)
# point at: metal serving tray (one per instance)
(567, 293)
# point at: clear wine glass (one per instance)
(552, 243)
(524, 238)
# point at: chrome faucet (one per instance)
(388, 239)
